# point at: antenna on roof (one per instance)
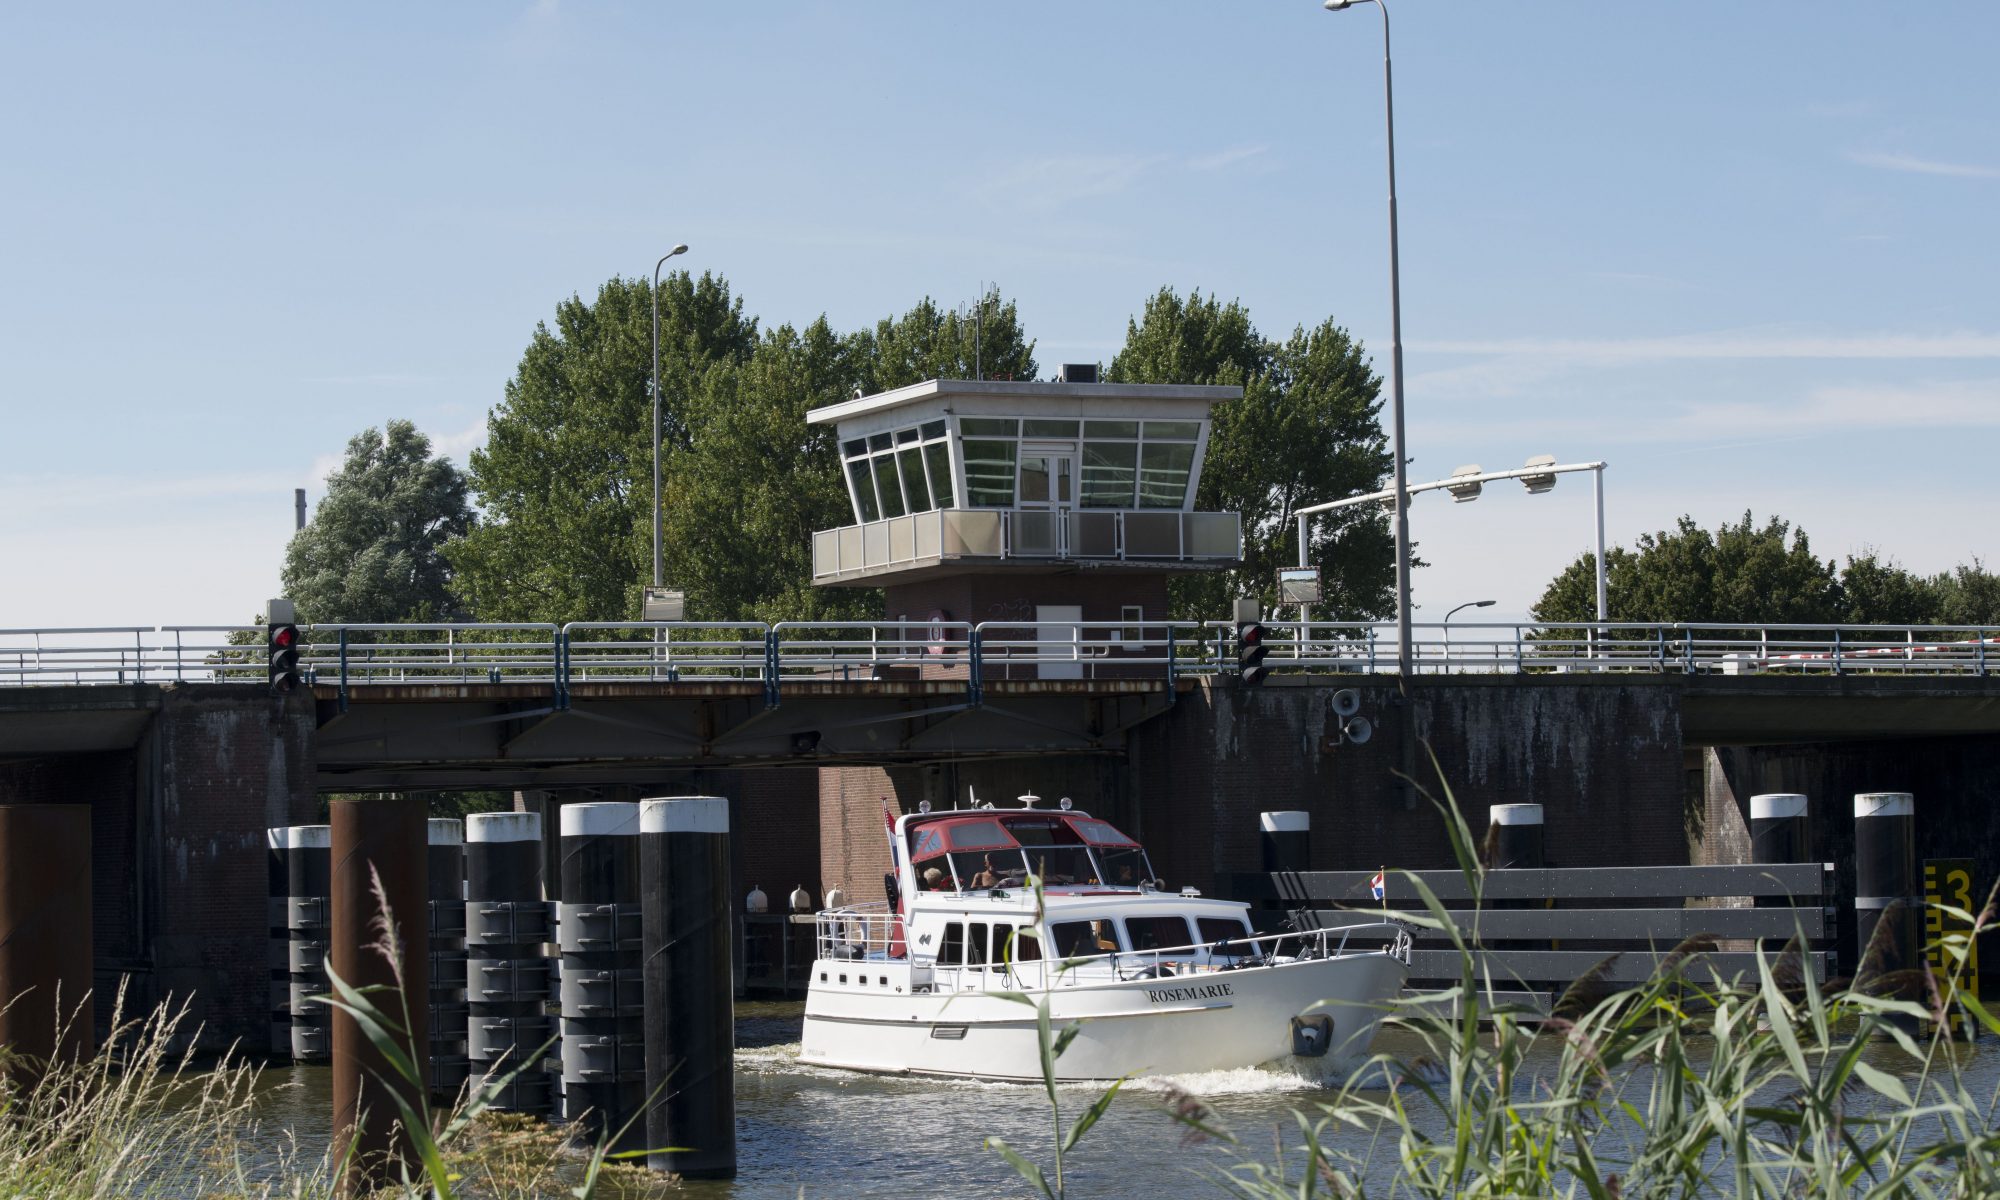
(972, 795)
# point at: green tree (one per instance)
(376, 547)
(565, 478)
(1742, 573)
(1306, 430)
(1878, 592)
(1967, 595)
(745, 499)
(931, 343)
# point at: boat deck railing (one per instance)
(874, 931)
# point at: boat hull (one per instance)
(1182, 1024)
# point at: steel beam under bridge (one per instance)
(389, 737)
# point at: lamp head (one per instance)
(680, 249)
(1337, 5)
(1484, 603)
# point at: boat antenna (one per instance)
(972, 795)
(1029, 800)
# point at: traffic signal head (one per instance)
(1250, 653)
(281, 651)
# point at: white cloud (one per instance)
(1047, 184)
(1971, 404)
(1741, 344)
(1921, 166)
(458, 446)
(1224, 158)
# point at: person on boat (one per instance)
(987, 877)
(934, 880)
(1100, 932)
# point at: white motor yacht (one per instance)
(932, 981)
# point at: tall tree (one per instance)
(745, 499)
(932, 343)
(565, 477)
(1743, 572)
(376, 547)
(1306, 430)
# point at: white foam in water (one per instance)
(1274, 1078)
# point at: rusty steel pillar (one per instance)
(45, 950)
(375, 838)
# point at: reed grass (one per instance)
(1688, 1085)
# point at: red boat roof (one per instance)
(934, 834)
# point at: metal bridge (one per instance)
(558, 658)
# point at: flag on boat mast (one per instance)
(1377, 887)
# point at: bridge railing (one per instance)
(432, 652)
(998, 649)
(609, 651)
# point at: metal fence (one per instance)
(1000, 649)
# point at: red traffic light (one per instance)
(1251, 634)
(284, 636)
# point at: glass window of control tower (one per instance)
(1120, 464)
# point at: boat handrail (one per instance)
(1312, 943)
(873, 930)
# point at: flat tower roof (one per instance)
(932, 389)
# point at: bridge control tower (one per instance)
(985, 500)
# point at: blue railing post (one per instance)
(1660, 647)
(1687, 650)
(562, 670)
(975, 673)
(1980, 636)
(1836, 650)
(343, 669)
(1517, 650)
(770, 668)
(1170, 664)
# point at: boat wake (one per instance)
(1290, 1075)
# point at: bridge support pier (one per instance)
(378, 839)
(46, 1008)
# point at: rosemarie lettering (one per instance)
(1206, 991)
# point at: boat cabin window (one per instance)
(975, 944)
(951, 951)
(1083, 939)
(1219, 929)
(1157, 933)
(1026, 947)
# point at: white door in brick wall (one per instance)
(1062, 645)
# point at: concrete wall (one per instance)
(1956, 782)
(1603, 756)
(178, 849)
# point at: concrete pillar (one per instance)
(1885, 881)
(308, 883)
(507, 975)
(603, 993)
(445, 869)
(690, 1023)
(378, 842)
(1287, 839)
(46, 1009)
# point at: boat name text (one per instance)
(1205, 991)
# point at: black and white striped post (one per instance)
(308, 886)
(446, 875)
(1287, 840)
(1778, 834)
(1885, 872)
(507, 975)
(1517, 836)
(603, 993)
(280, 959)
(690, 1021)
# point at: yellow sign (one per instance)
(1948, 881)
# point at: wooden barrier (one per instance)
(1636, 913)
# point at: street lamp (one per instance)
(1402, 495)
(1447, 625)
(680, 249)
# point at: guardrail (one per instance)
(999, 649)
(1559, 923)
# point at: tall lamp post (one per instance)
(680, 249)
(1447, 625)
(1403, 640)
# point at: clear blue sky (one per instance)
(1745, 252)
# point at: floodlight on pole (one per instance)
(677, 250)
(1538, 476)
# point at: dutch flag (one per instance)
(1376, 887)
